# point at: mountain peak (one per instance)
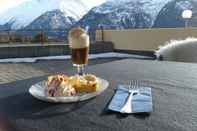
(28, 11)
(52, 20)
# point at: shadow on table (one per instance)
(25, 106)
(16, 102)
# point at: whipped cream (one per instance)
(78, 38)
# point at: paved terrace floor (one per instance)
(10, 72)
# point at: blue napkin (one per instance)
(141, 102)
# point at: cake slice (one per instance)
(84, 84)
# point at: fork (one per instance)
(127, 108)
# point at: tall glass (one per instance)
(79, 45)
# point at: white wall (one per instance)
(144, 39)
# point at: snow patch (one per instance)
(183, 5)
(151, 7)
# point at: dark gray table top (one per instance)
(174, 88)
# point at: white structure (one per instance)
(187, 15)
(178, 50)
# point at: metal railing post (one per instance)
(8, 36)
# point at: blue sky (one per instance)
(6, 4)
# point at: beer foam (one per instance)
(78, 38)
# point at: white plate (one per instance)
(37, 90)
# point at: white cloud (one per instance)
(93, 2)
(6, 4)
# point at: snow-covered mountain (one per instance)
(111, 14)
(151, 7)
(171, 14)
(52, 20)
(24, 14)
(123, 14)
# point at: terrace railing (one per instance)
(33, 36)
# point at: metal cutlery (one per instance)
(133, 89)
